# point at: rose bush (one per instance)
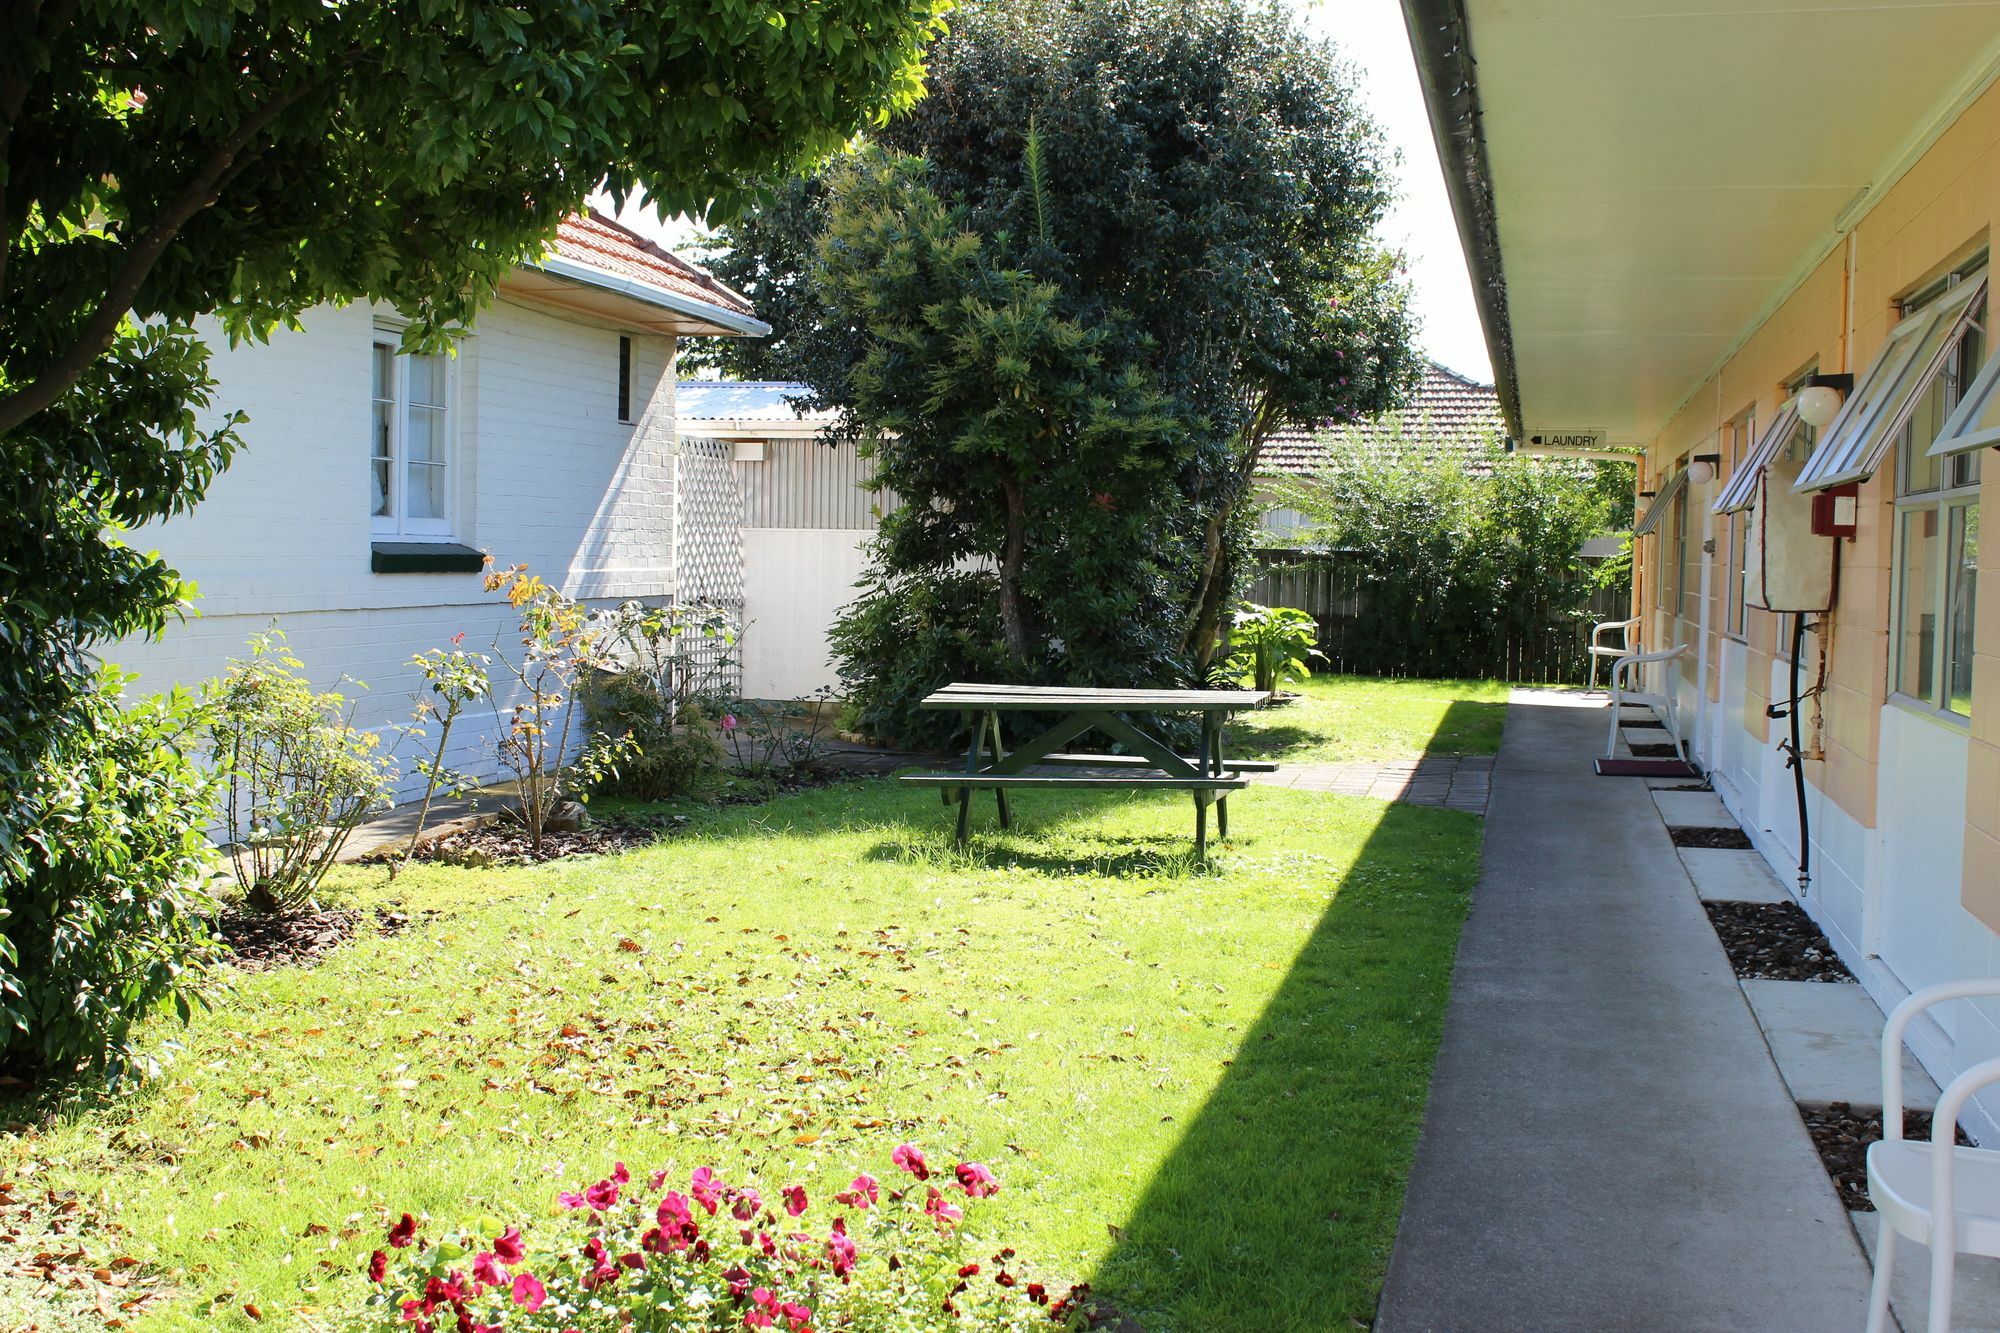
(716, 1256)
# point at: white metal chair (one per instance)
(1628, 643)
(1627, 687)
(1934, 1192)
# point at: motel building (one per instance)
(1754, 242)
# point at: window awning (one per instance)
(1975, 422)
(1887, 394)
(1742, 488)
(1649, 522)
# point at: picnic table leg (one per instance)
(971, 766)
(1201, 826)
(1221, 798)
(1000, 793)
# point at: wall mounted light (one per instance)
(1703, 469)
(1819, 401)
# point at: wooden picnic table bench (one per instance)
(1150, 762)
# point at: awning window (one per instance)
(1975, 422)
(1888, 393)
(1649, 522)
(1742, 488)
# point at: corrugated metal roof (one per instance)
(741, 400)
(593, 240)
(1450, 410)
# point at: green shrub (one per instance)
(298, 776)
(905, 636)
(105, 882)
(676, 753)
(1272, 644)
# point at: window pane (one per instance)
(382, 445)
(1964, 596)
(427, 380)
(426, 490)
(426, 440)
(1739, 531)
(378, 477)
(1915, 648)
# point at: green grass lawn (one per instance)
(1200, 1087)
(1355, 719)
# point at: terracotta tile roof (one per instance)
(592, 239)
(1449, 409)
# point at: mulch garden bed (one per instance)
(1842, 1136)
(505, 843)
(1729, 839)
(259, 941)
(1775, 942)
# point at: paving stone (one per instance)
(1721, 875)
(1693, 809)
(1827, 1039)
(1975, 1289)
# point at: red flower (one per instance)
(602, 1196)
(707, 1188)
(529, 1293)
(795, 1199)
(378, 1266)
(619, 1173)
(798, 1316)
(969, 1270)
(507, 1247)
(911, 1159)
(1038, 1293)
(673, 1211)
(976, 1180)
(738, 1278)
(840, 1249)
(748, 1204)
(403, 1232)
(485, 1268)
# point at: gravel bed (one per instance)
(1842, 1136)
(1775, 942)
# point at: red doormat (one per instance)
(1644, 768)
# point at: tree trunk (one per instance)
(1218, 570)
(1013, 613)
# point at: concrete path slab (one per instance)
(1693, 809)
(1827, 1039)
(1608, 1145)
(1975, 1294)
(1722, 875)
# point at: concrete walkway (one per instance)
(1454, 782)
(1608, 1144)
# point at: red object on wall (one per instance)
(1834, 510)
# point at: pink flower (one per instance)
(620, 1174)
(944, 1212)
(798, 1316)
(403, 1232)
(840, 1249)
(602, 1196)
(706, 1187)
(529, 1293)
(862, 1193)
(795, 1199)
(654, 1181)
(570, 1199)
(485, 1268)
(911, 1159)
(507, 1247)
(748, 1204)
(673, 1211)
(729, 721)
(976, 1180)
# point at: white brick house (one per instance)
(371, 484)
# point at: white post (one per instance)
(1699, 748)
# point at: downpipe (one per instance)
(1795, 752)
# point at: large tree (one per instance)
(162, 160)
(1204, 175)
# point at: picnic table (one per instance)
(1148, 763)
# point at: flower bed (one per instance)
(719, 1256)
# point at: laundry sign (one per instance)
(1566, 437)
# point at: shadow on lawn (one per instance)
(1278, 1207)
(1053, 835)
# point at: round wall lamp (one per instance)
(1818, 404)
(1702, 470)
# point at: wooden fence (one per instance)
(1328, 586)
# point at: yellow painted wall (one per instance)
(1946, 205)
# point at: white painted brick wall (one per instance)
(546, 475)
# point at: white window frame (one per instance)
(398, 523)
(1735, 605)
(1742, 488)
(1886, 395)
(1962, 433)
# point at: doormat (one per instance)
(1644, 768)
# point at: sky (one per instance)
(1370, 35)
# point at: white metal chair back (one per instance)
(1627, 632)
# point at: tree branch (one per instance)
(222, 165)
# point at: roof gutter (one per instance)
(747, 326)
(1449, 76)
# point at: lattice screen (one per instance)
(708, 540)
